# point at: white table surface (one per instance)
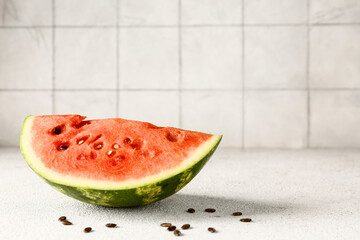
(288, 194)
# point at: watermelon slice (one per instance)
(113, 162)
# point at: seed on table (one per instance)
(210, 210)
(87, 229)
(245, 220)
(177, 233)
(62, 218)
(185, 226)
(212, 230)
(237, 214)
(66, 222)
(110, 225)
(165, 224)
(171, 228)
(191, 210)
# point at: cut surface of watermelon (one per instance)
(113, 162)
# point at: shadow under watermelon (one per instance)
(175, 208)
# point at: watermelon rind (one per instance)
(119, 194)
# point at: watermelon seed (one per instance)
(245, 220)
(87, 229)
(191, 210)
(171, 228)
(171, 137)
(177, 233)
(110, 225)
(136, 144)
(83, 139)
(66, 222)
(57, 130)
(165, 225)
(116, 146)
(210, 210)
(212, 230)
(62, 218)
(98, 146)
(110, 153)
(185, 226)
(127, 141)
(237, 214)
(63, 147)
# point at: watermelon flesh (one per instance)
(113, 162)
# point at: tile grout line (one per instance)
(308, 103)
(117, 94)
(242, 75)
(185, 90)
(190, 26)
(53, 110)
(180, 63)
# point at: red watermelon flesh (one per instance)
(110, 149)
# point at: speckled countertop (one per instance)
(288, 194)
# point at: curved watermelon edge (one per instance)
(137, 196)
(199, 158)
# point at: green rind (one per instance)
(134, 196)
(129, 197)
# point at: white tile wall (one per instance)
(335, 118)
(85, 58)
(335, 57)
(149, 58)
(275, 11)
(85, 12)
(25, 13)
(335, 11)
(145, 12)
(270, 57)
(275, 119)
(93, 104)
(211, 12)
(211, 58)
(18, 105)
(158, 107)
(216, 112)
(265, 74)
(32, 48)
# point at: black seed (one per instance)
(237, 214)
(245, 220)
(191, 210)
(57, 130)
(110, 225)
(62, 218)
(66, 222)
(171, 228)
(185, 226)
(165, 224)
(127, 141)
(210, 210)
(63, 147)
(88, 229)
(212, 230)
(177, 233)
